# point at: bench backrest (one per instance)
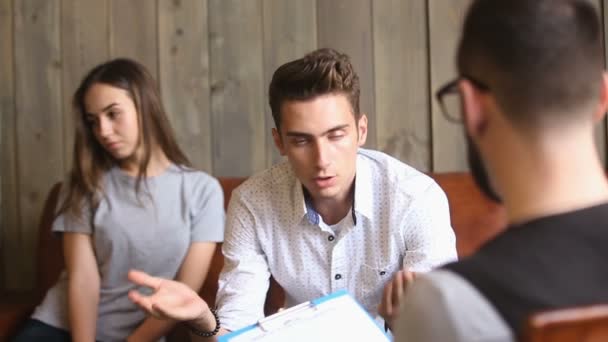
(474, 219)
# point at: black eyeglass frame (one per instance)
(452, 88)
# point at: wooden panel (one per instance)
(184, 76)
(39, 126)
(346, 25)
(237, 87)
(401, 81)
(8, 161)
(583, 323)
(133, 31)
(474, 217)
(445, 23)
(84, 38)
(289, 33)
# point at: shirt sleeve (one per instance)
(244, 280)
(428, 235)
(442, 306)
(207, 214)
(68, 223)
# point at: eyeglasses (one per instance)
(448, 97)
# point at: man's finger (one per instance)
(386, 298)
(143, 279)
(409, 277)
(397, 289)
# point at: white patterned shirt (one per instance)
(400, 219)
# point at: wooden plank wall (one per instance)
(183, 45)
(39, 125)
(237, 87)
(213, 60)
(85, 43)
(445, 20)
(8, 164)
(401, 84)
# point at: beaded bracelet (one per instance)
(207, 333)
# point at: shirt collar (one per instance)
(362, 202)
(364, 195)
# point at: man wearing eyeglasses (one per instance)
(531, 88)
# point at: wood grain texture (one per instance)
(237, 87)
(39, 126)
(445, 24)
(8, 159)
(290, 32)
(346, 25)
(184, 76)
(401, 81)
(133, 31)
(84, 44)
(213, 60)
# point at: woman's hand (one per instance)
(170, 300)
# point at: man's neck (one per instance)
(552, 179)
(333, 210)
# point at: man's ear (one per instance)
(474, 117)
(362, 130)
(603, 105)
(278, 142)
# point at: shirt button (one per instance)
(382, 273)
(331, 238)
(338, 277)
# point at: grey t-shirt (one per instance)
(150, 232)
(443, 306)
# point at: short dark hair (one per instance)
(321, 72)
(537, 56)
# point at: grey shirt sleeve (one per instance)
(442, 306)
(66, 223)
(207, 213)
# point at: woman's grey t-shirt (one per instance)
(150, 232)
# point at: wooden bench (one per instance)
(474, 219)
(584, 324)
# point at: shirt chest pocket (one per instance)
(372, 281)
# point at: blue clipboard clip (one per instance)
(284, 317)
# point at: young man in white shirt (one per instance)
(334, 216)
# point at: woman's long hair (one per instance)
(90, 160)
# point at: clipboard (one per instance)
(335, 317)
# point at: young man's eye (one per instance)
(299, 141)
(336, 136)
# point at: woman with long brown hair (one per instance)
(132, 201)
